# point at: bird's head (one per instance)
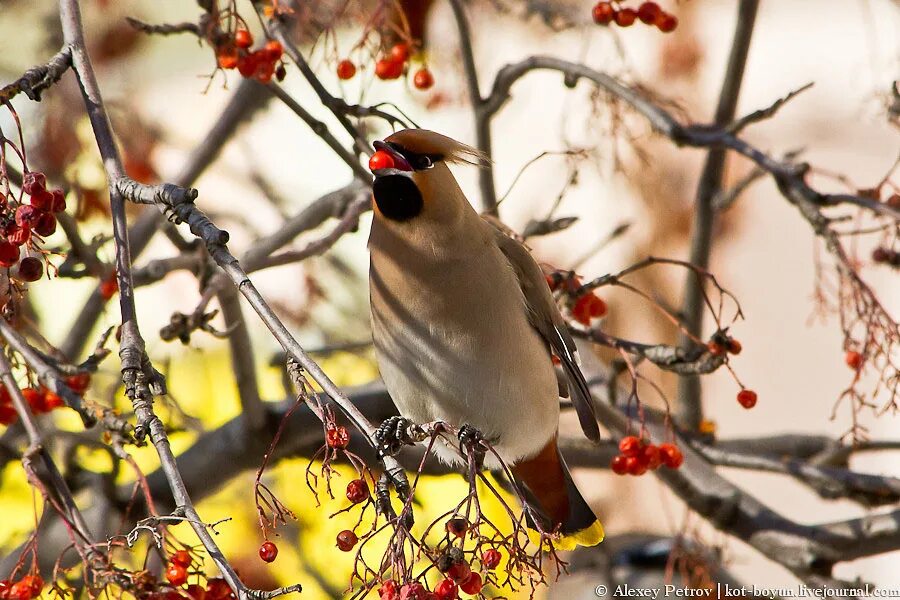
(411, 174)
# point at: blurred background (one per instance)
(163, 101)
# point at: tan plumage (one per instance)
(463, 323)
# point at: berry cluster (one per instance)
(261, 64)
(649, 13)
(637, 457)
(23, 221)
(28, 587)
(392, 65)
(458, 577)
(41, 400)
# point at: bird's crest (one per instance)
(423, 141)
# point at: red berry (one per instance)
(79, 383)
(268, 551)
(603, 13)
(648, 12)
(457, 526)
(854, 360)
(280, 72)
(265, 70)
(715, 348)
(634, 465)
(388, 590)
(337, 437)
(747, 398)
(423, 79)
(619, 465)
(346, 540)
(42, 200)
(388, 69)
(346, 70)
(9, 254)
(399, 52)
(217, 589)
(380, 160)
(734, 346)
(596, 306)
(26, 215)
(183, 558)
(109, 286)
(20, 590)
(671, 455)
(459, 571)
(881, 255)
(31, 269)
(626, 17)
(59, 201)
(652, 456)
(274, 50)
(490, 559)
(35, 399)
(227, 56)
(52, 401)
(8, 414)
(247, 64)
(176, 574)
(45, 225)
(33, 181)
(243, 38)
(446, 590)
(18, 235)
(666, 22)
(357, 491)
(413, 591)
(196, 592)
(629, 445)
(35, 582)
(472, 585)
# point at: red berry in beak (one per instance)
(381, 160)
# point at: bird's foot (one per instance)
(472, 443)
(396, 432)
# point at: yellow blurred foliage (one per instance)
(203, 386)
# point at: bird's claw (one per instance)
(396, 432)
(472, 441)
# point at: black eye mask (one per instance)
(419, 162)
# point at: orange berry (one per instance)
(747, 398)
(603, 13)
(626, 17)
(243, 38)
(346, 70)
(854, 360)
(423, 79)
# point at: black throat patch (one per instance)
(397, 197)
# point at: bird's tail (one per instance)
(552, 497)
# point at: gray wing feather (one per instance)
(546, 319)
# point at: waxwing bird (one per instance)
(464, 325)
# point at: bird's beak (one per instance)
(401, 165)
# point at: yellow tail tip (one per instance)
(589, 536)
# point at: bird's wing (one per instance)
(545, 318)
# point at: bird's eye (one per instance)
(423, 162)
